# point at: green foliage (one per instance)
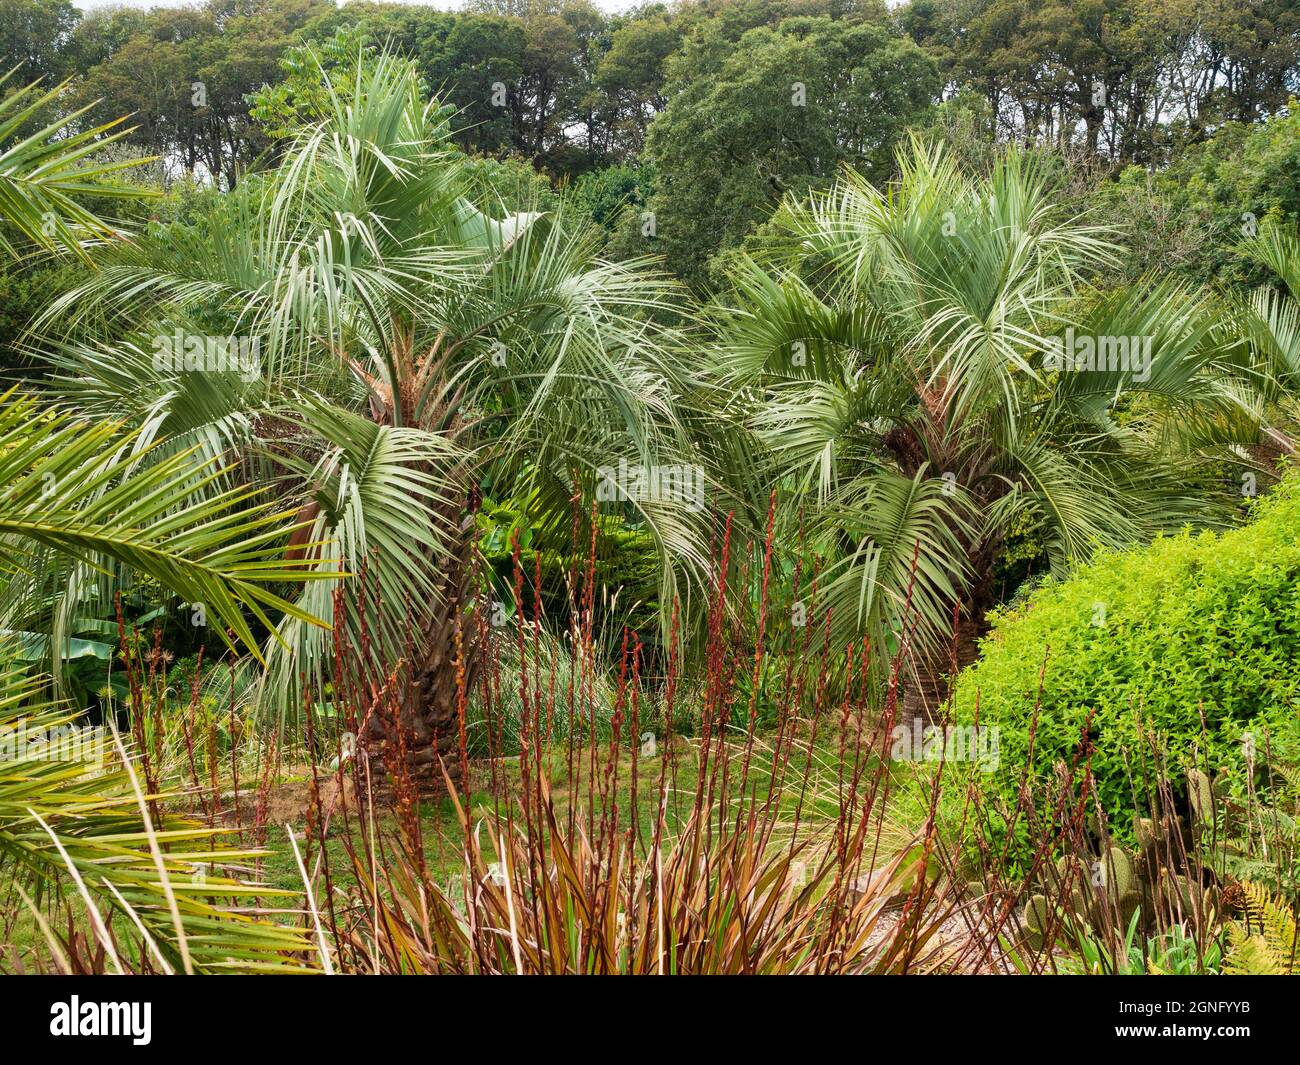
(1194, 215)
(25, 290)
(776, 110)
(1171, 89)
(1194, 637)
(1065, 70)
(626, 568)
(34, 33)
(185, 75)
(518, 81)
(78, 489)
(300, 95)
(48, 165)
(630, 75)
(508, 186)
(607, 194)
(1173, 952)
(71, 807)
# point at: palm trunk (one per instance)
(429, 722)
(932, 670)
(425, 738)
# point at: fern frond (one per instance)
(1267, 943)
(1250, 955)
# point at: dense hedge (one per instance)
(1189, 624)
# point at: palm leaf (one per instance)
(45, 173)
(80, 489)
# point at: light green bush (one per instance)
(1195, 637)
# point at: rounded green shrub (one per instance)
(1194, 639)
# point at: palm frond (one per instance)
(81, 489)
(46, 172)
(70, 807)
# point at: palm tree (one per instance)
(1266, 324)
(897, 353)
(98, 499)
(412, 348)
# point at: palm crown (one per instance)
(410, 345)
(899, 353)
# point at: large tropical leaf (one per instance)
(46, 172)
(76, 827)
(80, 489)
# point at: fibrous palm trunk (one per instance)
(933, 669)
(931, 441)
(439, 667)
(428, 703)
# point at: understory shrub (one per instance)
(1187, 646)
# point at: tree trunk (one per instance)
(425, 739)
(930, 671)
(429, 740)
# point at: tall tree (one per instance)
(630, 79)
(777, 111)
(35, 35)
(413, 348)
(186, 74)
(923, 362)
(1129, 81)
